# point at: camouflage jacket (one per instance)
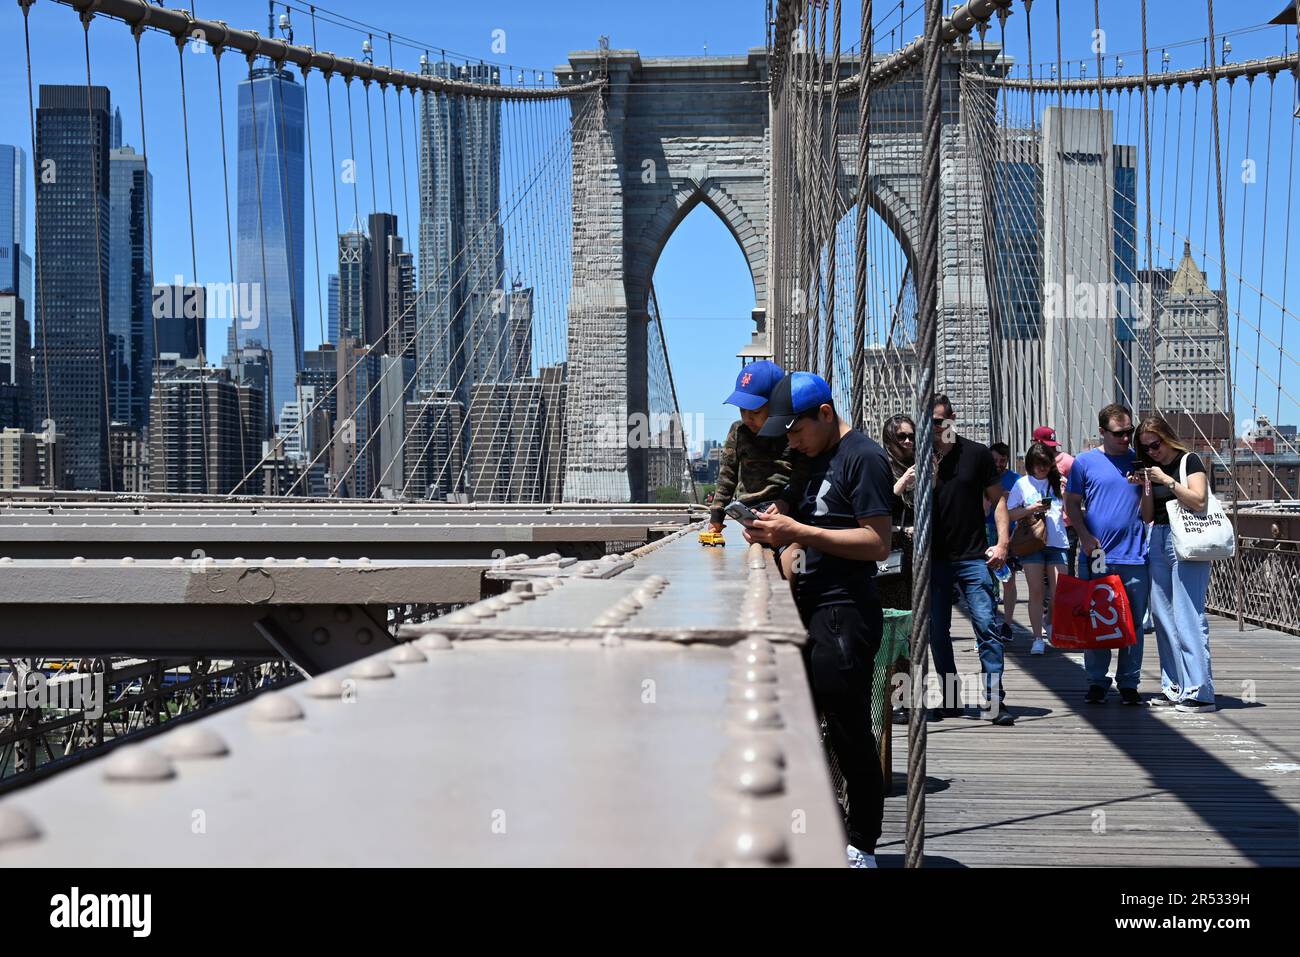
(754, 469)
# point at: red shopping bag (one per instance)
(1091, 615)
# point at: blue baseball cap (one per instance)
(754, 384)
(797, 393)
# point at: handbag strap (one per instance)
(1182, 470)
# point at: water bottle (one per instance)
(1003, 574)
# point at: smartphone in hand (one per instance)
(741, 513)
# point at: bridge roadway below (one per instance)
(645, 709)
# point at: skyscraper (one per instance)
(130, 286)
(461, 305)
(15, 364)
(73, 131)
(15, 260)
(205, 433)
(1190, 361)
(271, 211)
(354, 284)
(332, 313)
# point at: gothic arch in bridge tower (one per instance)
(671, 133)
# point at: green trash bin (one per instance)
(893, 646)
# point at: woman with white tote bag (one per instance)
(1189, 530)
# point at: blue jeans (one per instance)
(1178, 609)
(1128, 672)
(976, 585)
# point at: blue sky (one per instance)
(704, 288)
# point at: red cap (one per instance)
(1047, 435)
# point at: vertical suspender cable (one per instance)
(927, 295)
(1223, 277)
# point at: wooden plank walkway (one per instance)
(1073, 784)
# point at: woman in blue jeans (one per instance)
(1173, 472)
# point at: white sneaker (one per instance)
(1039, 647)
(859, 859)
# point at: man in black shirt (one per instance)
(965, 475)
(840, 516)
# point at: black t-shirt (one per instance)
(1162, 496)
(850, 481)
(959, 529)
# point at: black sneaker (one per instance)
(1096, 695)
(1002, 719)
(1129, 696)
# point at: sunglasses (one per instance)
(1152, 446)
(1121, 433)
(938, 423)
(907, 436)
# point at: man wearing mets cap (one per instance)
(841, 517)
(752, 470)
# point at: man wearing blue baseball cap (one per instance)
(752, 470)
(840, 516)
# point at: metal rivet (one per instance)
(434, 641)
(135, 762)
(481, 610)
(326, 686)
(301, 561)
(178, 560)
(371, 668)
(128, 560)
(17, 825)
(238, 561)
(522, 589)
(754, 777)
(342, 613)
(758, 644)
(332, 561)
(193, 741)
(760, 750)
(758, 716)
(747, 842)
(363, 560)
(611, 641)
(78, 560)
(407, 654)
(6, 560)
(269, 560)
(364, 636)
(751, 659)
(461, 617)
(320, 636)
(279, 706)
(756, 675)
(751, 694)
(541, 588)
(295, 613)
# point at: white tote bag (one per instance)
(1200, 536)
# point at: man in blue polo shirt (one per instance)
(1103, 508)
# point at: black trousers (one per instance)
(840, 658)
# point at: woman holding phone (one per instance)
(1168, 471)
(1036, 496)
